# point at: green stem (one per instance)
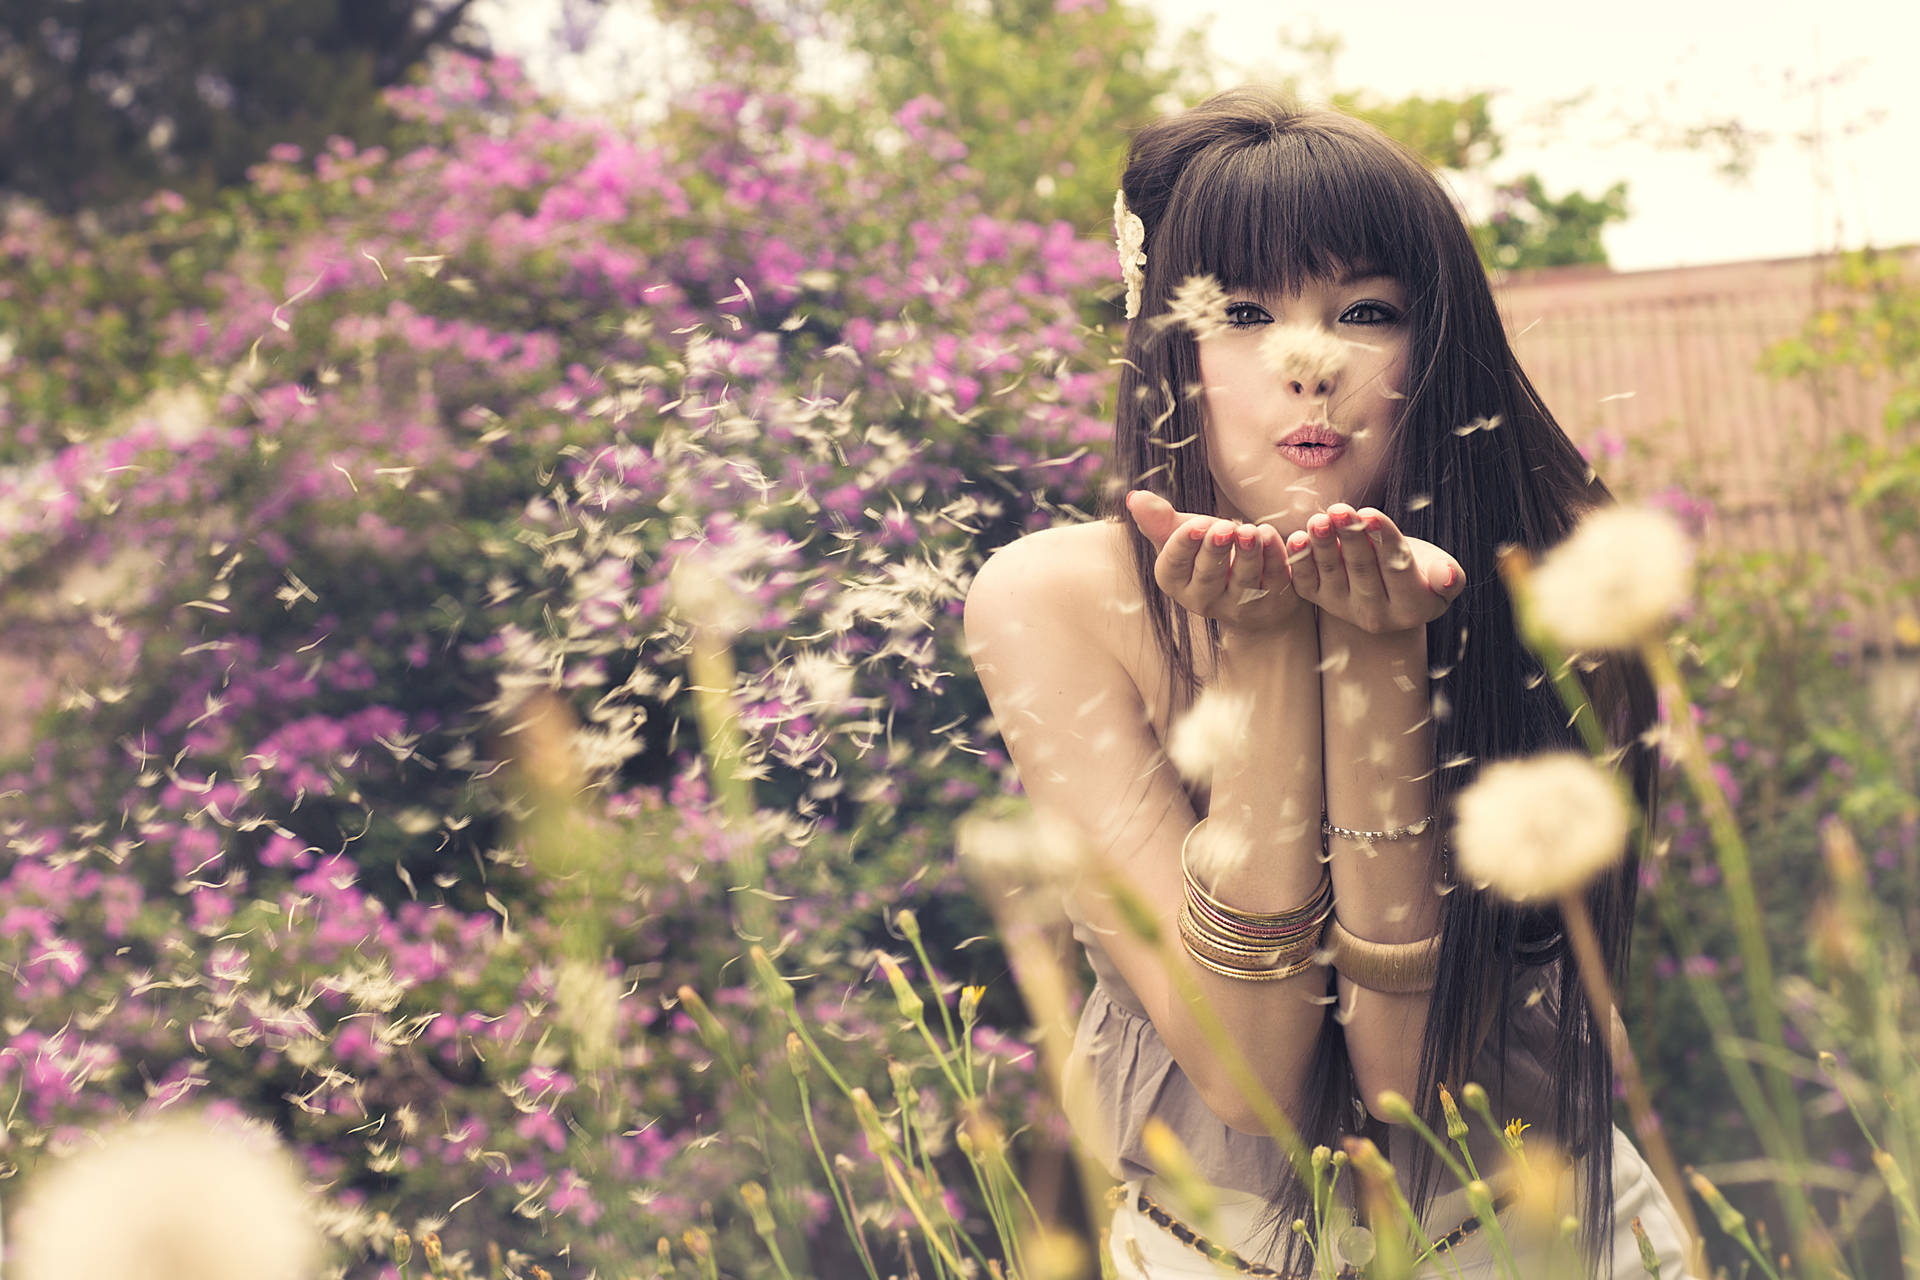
(833, 1183)
(1736, 871)
(933, 980)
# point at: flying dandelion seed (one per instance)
(1200, 304)
(1304, 353)
(1490, 423)
(1211, 731)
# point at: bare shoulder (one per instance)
(1074, 575)
(1063, 607)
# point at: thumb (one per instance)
(1153, 515)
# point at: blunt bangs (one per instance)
(1264, 214)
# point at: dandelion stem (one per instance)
(1736, 871)
(910, 925)
(833, 1183)
(1593, 975)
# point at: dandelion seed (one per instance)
(1539, 828)
(1214, 852)
(1615, 581)
(1201, 305)
(1478, 424)
(1213, 728)
(1307, 354)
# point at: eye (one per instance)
(1246, 315)
(1369, 313)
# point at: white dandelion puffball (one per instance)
(705, 588)
(1615, 581)
(1011, 843)
(1539, 828)
(1215, 727)
(1306, 353)
(169, 1199)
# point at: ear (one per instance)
(1154, 516)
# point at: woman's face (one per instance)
(1303, 396)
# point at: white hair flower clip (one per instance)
(1130, 239)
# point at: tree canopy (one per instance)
(108, 100)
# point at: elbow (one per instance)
(1245, 1115)
(1396, 1086)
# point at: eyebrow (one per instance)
(1362, 274)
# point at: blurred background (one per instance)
(373, 372)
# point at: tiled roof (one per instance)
(1656, 375)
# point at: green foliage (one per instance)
(1043, 94)
(1448, 133)
(112, 99)
(1871, 333)
(1802, 738)
(1529, 228)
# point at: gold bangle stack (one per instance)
(1254, 946)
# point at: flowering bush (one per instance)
(421, 433)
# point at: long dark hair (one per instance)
(1261, 195)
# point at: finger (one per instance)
(1326, 552)
(1210, 568)
(1396, 558)
(1173, 568)
(1273, 559)
(1304, 573)
(1448, 579)
(1153, 516)
(1243, 579)
(1357, 553)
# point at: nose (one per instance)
(1322, 388)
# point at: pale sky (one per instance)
(1841, 71)
(1757, 61)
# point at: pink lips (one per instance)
(1312, 445)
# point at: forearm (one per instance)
(1258, 853)
(1379, 751)
(1264, 813)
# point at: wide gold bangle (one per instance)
(1396, 968)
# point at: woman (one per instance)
(1324, 439)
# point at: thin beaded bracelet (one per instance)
(1375, 837)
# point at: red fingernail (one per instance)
(1449, 581)
(1198, 532)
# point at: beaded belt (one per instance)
(1158, 1214)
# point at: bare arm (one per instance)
(1379, 768)
(1080, 734)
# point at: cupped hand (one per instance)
(1234, 573)
(1359, 567)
